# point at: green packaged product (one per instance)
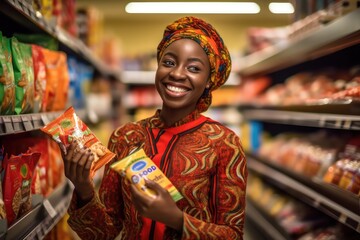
(7, 82)
(24, 76)
(42, 40)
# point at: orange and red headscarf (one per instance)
(209, 39)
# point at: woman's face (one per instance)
(182, 75)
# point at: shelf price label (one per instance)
(8, 124)
(45, 119)
(27, 123)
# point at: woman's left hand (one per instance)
(162, 208)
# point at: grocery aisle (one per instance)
(293, 97)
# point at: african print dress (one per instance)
(201, 157)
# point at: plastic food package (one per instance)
(7, 81)
(57, 75)
(24, 76)
(137, 167)
(69, 127)
(39, 78)
(17, 184)
(42, 40)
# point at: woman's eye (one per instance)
(168, 63)
(193, 69)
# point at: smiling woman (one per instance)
(202, 158)
(182, 76)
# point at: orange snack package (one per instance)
(69, 127)
(57, 80)
(39, 78)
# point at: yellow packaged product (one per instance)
(137, 167)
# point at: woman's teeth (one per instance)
(175, 89)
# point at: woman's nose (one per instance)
(177, 72)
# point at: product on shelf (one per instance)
(68, 127)
(260, 38)
(48, 173)
(41, 181)
(57, 79)
(45, 7)
(39, 79)
(2, 204)
(42, 40)
(24, 76)
(345, 173)
(306, 88)
(250, 89)
(80, 76)
(56, 174)
(36, 79)
(90, 26)
(67, 17)
(294, 217)
(17, 184)
(7, 81)
(309, 155)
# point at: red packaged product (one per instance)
(39, 79)
(69, 127)
(17, 184)
(40, 185)
(56, 166)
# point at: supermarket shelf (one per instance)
(148, 78)
(39, 221)
(334, 36)
(11, 124)
(264, 221)
(339, 204)
(24, 14)
(323, 120)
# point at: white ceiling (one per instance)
(113, 10)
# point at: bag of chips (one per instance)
(17, 184)
(57, 76)
(39, 78)
(24, 76)
(2, 204)
(68, 127)
(7, 82)
(137, 167)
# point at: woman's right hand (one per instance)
(77, 163)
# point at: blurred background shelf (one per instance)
(322, 120)
(23, 14)
(339, 204)
(334, 36)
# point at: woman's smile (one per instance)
(176, 91)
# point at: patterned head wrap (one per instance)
(209, 39)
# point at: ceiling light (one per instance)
(281, 8)
(193, 7)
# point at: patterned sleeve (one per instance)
(102, 217)
(227, 194)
